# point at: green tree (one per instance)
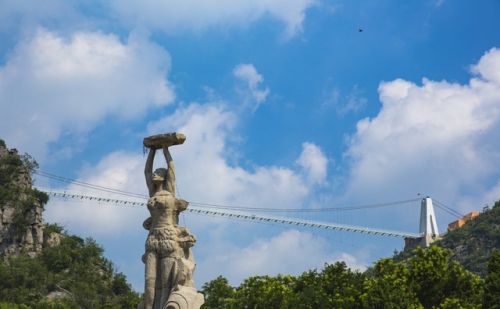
(388, 287)
(262, 292)
(308, 292)
(435, 278)
(491, 297)
(336, 286)
(4, 305)
(218, 294)
(342, 286)
(23, 280)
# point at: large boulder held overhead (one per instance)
(166, 139)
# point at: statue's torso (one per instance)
(163, 232)
(163, 210)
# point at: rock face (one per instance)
(21, 222)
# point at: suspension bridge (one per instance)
(428, 231)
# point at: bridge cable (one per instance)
(88, 185)
(448, 212)
(342, 208)
(438, 203)
(219, 206)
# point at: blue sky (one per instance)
(285, 104)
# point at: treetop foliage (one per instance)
(428, 279)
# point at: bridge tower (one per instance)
(428, 227)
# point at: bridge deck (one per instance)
(250, 216)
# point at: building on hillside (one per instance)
(460, 222)
(455, 224)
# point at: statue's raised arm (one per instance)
(148, 171)
(170, 171)
(161, 141)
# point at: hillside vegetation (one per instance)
(473, 243)
(73, 274)
(41, 266)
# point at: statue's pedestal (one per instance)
(182, 297)
(185, 298)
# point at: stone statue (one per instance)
(168, 259)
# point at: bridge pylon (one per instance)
(428, 228)
(428, 225)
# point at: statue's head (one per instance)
(159, 176)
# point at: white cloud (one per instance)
(51, 85)
(248, 74)
(203, 163)
(438, 138)
(197, 15)
(290, 252)
(354, 102)
(171, 16)
(118, 170)
(314, 162)
(344, 104)
(488, 65)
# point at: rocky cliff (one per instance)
(21, 206)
